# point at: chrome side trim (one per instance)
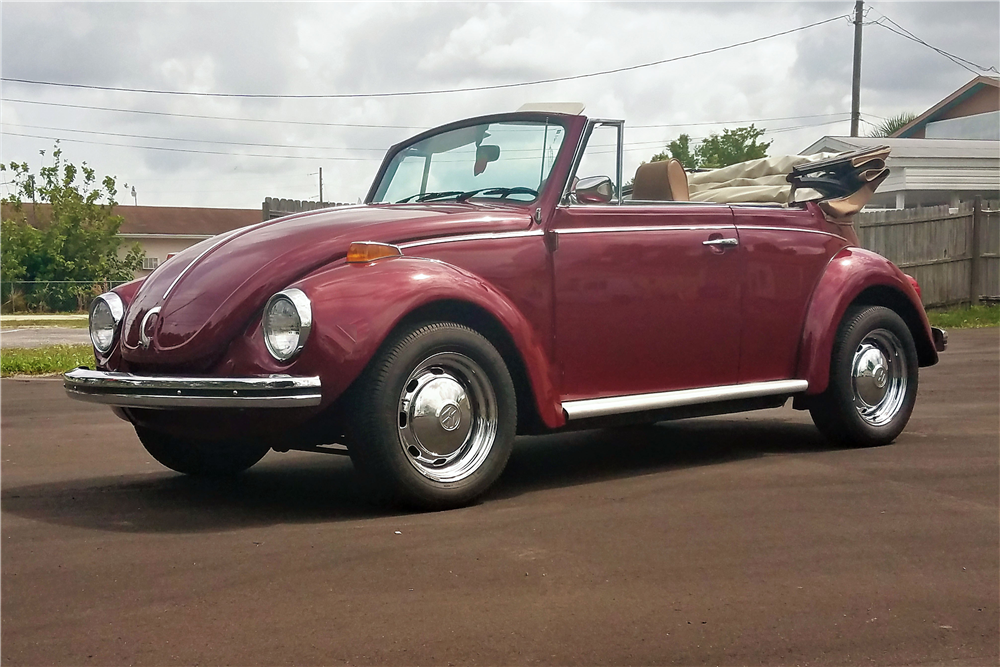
(665, 203)
(471, 237)
(166, 236)
(646, 228)
(688, 228)
(602, 407)
(750, 228)
(146, 391)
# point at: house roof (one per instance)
(163, 220)
(941, 109)
(184, 221)
(912, 148)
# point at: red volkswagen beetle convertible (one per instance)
(500, 280)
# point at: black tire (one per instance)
(873, 380)
(433, 417)
(202, 458)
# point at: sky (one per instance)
(227, 151)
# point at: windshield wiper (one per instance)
(462, 197)
(428, 196)
(503, 192)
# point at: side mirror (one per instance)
(594, 190)
(485, 154)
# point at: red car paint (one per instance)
(596, 301)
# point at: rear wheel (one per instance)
(434, 417)
(205, 458)
(873, 379)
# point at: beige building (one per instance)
(163, 231)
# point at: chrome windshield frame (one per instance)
(551, 118)
(581, 147)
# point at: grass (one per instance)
(44, 360)
(969, 317)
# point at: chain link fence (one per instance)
(51, 296)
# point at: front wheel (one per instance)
(203, 458)
(873, 380)
(434, 417)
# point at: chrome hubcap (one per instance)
(447, 417)
(878, 374)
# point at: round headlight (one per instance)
(105, 313)
(287, 322)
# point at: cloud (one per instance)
(310, 48)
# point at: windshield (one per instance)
(507, 161)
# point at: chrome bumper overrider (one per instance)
(940, 339)
(162, 391)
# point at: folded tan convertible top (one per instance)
(842, 183)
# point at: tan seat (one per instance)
(660, 181)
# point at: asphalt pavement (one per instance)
(737, 540)
(42, 336)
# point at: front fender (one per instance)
(356, 306)
(857, 275)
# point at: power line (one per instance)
(192, 150)
(205, 117)
(429, 92)
(373, 126)
(184, 139)
(634, 145)
(743, 120)
(958, 60)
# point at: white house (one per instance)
(928, 172)
(946, 155)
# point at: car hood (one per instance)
(210, 292)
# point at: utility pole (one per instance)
(321, 186)
(859, 8)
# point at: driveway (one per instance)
(738, 540)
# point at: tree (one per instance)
(733, 146)
(72, 234)
(738, 145)
(679, 148)
(890, 126)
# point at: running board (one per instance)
(616, 405)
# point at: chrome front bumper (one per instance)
(165, 392)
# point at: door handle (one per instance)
(722, 242)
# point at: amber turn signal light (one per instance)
(364, 252)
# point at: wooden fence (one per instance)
(953, 253)
(273, 207)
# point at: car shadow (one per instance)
(583, 457)
(318, 488)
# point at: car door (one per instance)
(647, 297)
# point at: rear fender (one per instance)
(357, 306)
(857, 276)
